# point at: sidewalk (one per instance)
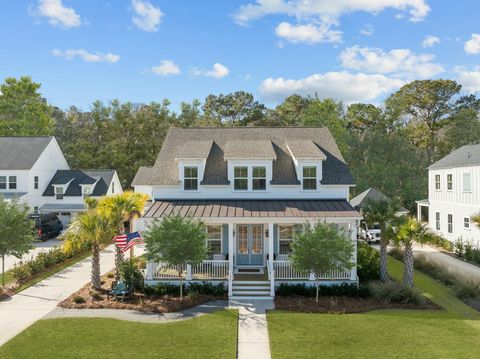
(30, 305)
(253, 341)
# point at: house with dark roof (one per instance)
(34, 171)
(371, 194)
(254, 188)
(454, 195)
(66, 191)
(26, 166)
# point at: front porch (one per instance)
(250, 254)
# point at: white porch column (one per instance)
(271, 252)
(189, 272)
(353, 236)
(231, 249)
(419, 212)
(150, 270)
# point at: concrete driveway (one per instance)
(39, 247)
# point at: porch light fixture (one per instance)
(267, 233)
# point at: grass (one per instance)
(450, 333)
(210, 336)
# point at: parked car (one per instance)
(370, 234)
(47, 226)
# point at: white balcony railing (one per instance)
(210, 270)
(165, 271)
(285, 270)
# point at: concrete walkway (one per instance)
(253, 339)
(23, 309)
(139, 317)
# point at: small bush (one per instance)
(95, 295)
(111, 275)
(131, 274)
(204, 288)
(442, 242)
(163, 289)
(302, 290)
(395, 292)
(368, 262)
(78, 299)
(21, 272)
(207, 289)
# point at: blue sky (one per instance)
(142, 51)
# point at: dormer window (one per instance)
(309, 178)
(86, 191)
(59, 192)
(190, 178)
(240, 181)
(3, 182)
(259, 182)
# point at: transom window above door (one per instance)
(190, 178)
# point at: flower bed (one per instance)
(88, 298)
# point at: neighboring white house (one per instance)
(33, 169)
(253, 188)
(27, 164)
(454, 194)
(66, 191)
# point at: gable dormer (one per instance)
(250, 164)
(191, 160)
(308, 159)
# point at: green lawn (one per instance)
(450, 333)
(210, 336)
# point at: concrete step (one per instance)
(252, 293)
(251, 282)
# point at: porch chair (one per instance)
(120, 290)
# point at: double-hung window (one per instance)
(285, 240)
(450, 223)
(467, 182)
(12, 182)
(466, 222)
(309, 177)
(259, 182)
(214, 239)
(240, 178)
(59, 192)
(113, 187)
(3, 182)
(437, 221)
(190, 178)
(437, 183)
(449, 182)
(35, 182)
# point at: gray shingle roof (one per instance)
(371, 194)
(21, 153)
(305, 150)
(195, 150)
(78, 177)
(249, 150)
(468, 155)
(165, 169)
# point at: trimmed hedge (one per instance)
(302, 290)
(205, 288)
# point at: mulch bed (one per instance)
(6, 292)
(341, 305)
(157, 304)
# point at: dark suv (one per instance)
(47, 226)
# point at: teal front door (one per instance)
(249, 244)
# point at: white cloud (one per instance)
(400, 62)
(308, 33)
(218, 71)
(472, 46)
(86, 56)
(166, 67)
(367, 30)
(147, 17)
(58, 14)
(469, 79)
(342, 85)
(430, 41)
(328, 9)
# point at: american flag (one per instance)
(126, 241)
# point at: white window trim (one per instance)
(221, 235)
(439, 182)
(36, 182)
(449, 224)
(249, 171)
(317, 181)
(463, 181)
(16, 182)
(6, 183)
(438, 221)
(469, 224)
(451, 189)
(250, 165)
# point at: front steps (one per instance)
(251, 289)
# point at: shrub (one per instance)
(162, 289)
(395, 292)
(21, 272)
(95, 295)
(207, 289)
(442, 242)
(368, 262)
(79, 299)
(302, 290)
(131, 274)
(468, 289)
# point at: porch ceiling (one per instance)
(252, 208)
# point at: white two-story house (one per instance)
(34, 171)
(454, 195)
(253, 188)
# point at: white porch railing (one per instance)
(285, 270)
(210, 270)
(206, 270)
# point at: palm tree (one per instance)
(381, 212)
(119, 209)
(93, 229)
(410, 232)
